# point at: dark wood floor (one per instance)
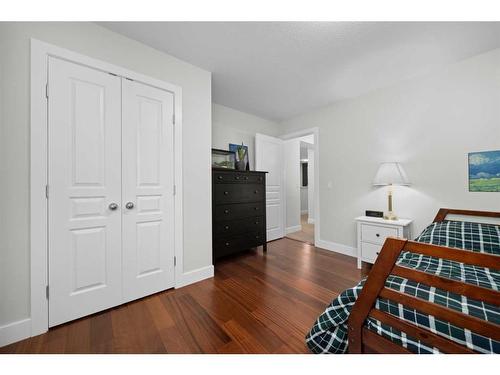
(256, 303)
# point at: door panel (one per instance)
(84, 178)
(148, 227)
(269, 158)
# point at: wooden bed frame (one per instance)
(362, 340)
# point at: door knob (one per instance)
(129, 205)
(113, 206)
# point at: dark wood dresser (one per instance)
(238, 211)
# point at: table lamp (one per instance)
(388, 174)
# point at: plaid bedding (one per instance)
(329, 333)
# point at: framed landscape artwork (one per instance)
(484, 171)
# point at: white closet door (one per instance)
(269, 158)
(84, 182)
(148, 179)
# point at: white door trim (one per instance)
(40, 52)
(302, 133)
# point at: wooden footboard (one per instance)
(362, 340)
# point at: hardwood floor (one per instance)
(256, 303)
(306, 234)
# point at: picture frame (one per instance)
(223, 159)
(241, 164)
(484, 171)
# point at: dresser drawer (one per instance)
(240, 226)
(238, 193)
(238, 211)
(233, 244)
(377, 234)
(369, 251)
(238, 178)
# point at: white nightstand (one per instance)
(372, 232)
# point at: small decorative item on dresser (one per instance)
(241, 152)
(223, 159)
(372, 232)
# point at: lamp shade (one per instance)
(391, 173)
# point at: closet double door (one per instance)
(110, 190)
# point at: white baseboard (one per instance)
(194, 276)
(295, 228)
(310, 221)
(16, 331)
(337, 247)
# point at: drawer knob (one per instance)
(257, 236)
(246, 177)
(256, 208)
(256, 222)
(226, 192)
(226, 211)
(220, 177)
(378, 235)
(256, 192)
(227, 243)
(237, 178)
(260, 178)
(226, 227)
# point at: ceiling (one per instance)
(278, 70)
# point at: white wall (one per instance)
(429, 124)
(232, 126)
(304, 201)
(292, 184)
(310, 185)
(295, 195)
(100, 43)
(307, 192)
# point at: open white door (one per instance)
(269, 158)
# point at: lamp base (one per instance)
(390, 216)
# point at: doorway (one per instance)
(281, 159)
(299, 187)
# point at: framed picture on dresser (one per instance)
(223, 159)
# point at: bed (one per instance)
(436, 294)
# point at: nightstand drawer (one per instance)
(377, 234)
(369, 251)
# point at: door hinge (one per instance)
(175, 261)
(47, 191)
(175, 189)
(173, 119)
(47, 291)
(47, 90)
